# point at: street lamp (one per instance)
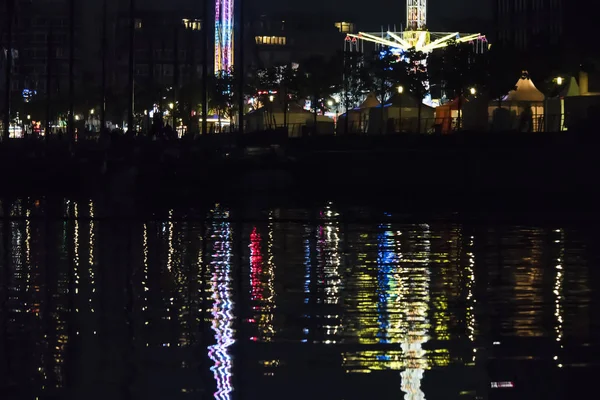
(271, 98)
(559, 80)
(400, 91)
(92, 111)
(473, 91)
(171, 106)
(330, 103)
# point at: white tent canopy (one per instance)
(525, 91)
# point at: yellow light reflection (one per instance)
(528, 284)
(92, 256)
(470, 282)
(400, 315)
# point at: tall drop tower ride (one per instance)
(224, 35)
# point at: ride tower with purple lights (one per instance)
(224, 24)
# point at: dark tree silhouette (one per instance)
(318, 80)
(387, 71)
(461, 69)
(417, 78)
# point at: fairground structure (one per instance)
(223, 36)
(416, 34)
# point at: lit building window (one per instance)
(345, 27)
(192, 24)
(271, 40)
(138, 24)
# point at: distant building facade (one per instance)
(273, 40)
(538, 27)
(40, 39)
(168, 49)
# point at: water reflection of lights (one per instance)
(222, 309)
(400, 315)
(262, 277)
(528, 287)
(558, 293)
(387, 286)
(145, 271)
(328, 251)
(470, 282)
(415, 306)
(28, 237)
(171, 248)
(266, 323)
(76, 249)
(92, 255)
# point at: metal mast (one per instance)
(416, 14)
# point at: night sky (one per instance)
(384, 12)
(441, 13)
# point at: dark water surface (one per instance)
(292, 304)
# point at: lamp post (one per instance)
(270, 109)
(559, 81)
(337, 112)
(473, 91)
(91, 121)
(329, 105)
(400, 91)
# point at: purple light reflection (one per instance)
(222, 309)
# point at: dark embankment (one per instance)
(464, 171)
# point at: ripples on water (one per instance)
(292, 304)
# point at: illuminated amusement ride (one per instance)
(223, 36)
(416, 34)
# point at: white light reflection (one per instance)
(266, 323)
(76, 249)
(145, 278)
(222, 309)
(415, 306)
(328, 249)
(307, 277)
(171, 248)
(558, 293)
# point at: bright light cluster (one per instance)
(223, 35)
(420, 40)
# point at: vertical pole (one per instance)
(204, 27)
(71, 120)
(347, 88)
(240, 67)
(175, 76)
(400, 115)
(104, 51)
(9, 61)
(152, 82)
(48, 128)
(131, 88)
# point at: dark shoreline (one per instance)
(456, 172)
